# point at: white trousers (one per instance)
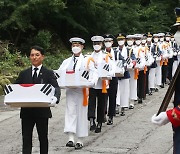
(151, 78)
(76, 114)
(158, 76)
(175, 65)
(122, 98)
(132, 86)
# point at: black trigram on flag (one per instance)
(146, 57)
(46, 89)
(158, 54)
(138, 60)
(56, 75)
(106, 67)
(128, 60)
(7, 89)
(85, 75)
(119, 64)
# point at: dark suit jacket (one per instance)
(45, 77)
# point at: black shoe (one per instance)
(140, 101)
(162, 86)
(92, 124)
(156, 89)
(122, 111)
(117, 109)
(98, 128)
(78, 146)
(105, 119)
(110, 121)
(150, 92)
(70, 144)
(131, 106)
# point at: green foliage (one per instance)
(43, 38)
(51, 23)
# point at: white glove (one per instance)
(160, 120)
(53, 101)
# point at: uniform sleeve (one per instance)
(54, 83)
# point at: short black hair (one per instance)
(38, 48)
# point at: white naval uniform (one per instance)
(76, 120)
(152, 71)
(158, 72)
(122, 98)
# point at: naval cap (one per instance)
(97, 38)
(77, 40)
(108, 37)
(177, 13)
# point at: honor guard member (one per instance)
(170, 55)
(131, 62)
(97, 94)
(140, 65)
(76, 121)
(124, 54)
(158, 57)
(148, 59)
(150, 45)
(174, 47)
(39, 116)
(153, 73)
(164, 60)
(108, 42)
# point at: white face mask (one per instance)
(149, 39)
(108, 44)
(161, 39)
(76, 50)
(156, 40)
(143, 41)
(97, 47)
(121, 43)
(138, 42)
(167, 38)
(130, 42)
(172, 39)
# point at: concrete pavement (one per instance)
(131, 134)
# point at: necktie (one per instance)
(75, 62)
(35, 75)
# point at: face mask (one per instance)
(161, 39)
(121, 43)
(108, 44)
(149, 39)
(97, 47)
(167, 38)
(172, 39)
(138, 42)
(76, 50)
(156, 40)
(130, 43)
(143, 41)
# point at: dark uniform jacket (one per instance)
(155, 51)
(45, 77)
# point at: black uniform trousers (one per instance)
(147, 80)
(141, 85)
(170, 65)
(176, 140)
(112, 93)
(96, 95)
(42, 130)
(164, 73)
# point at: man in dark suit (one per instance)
(38, 116)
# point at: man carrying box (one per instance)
(37, 74)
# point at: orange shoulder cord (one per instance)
(136, 73)
(104, 90)
(145, 68)
(136, 70)
(85, 96)
(86, 90)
